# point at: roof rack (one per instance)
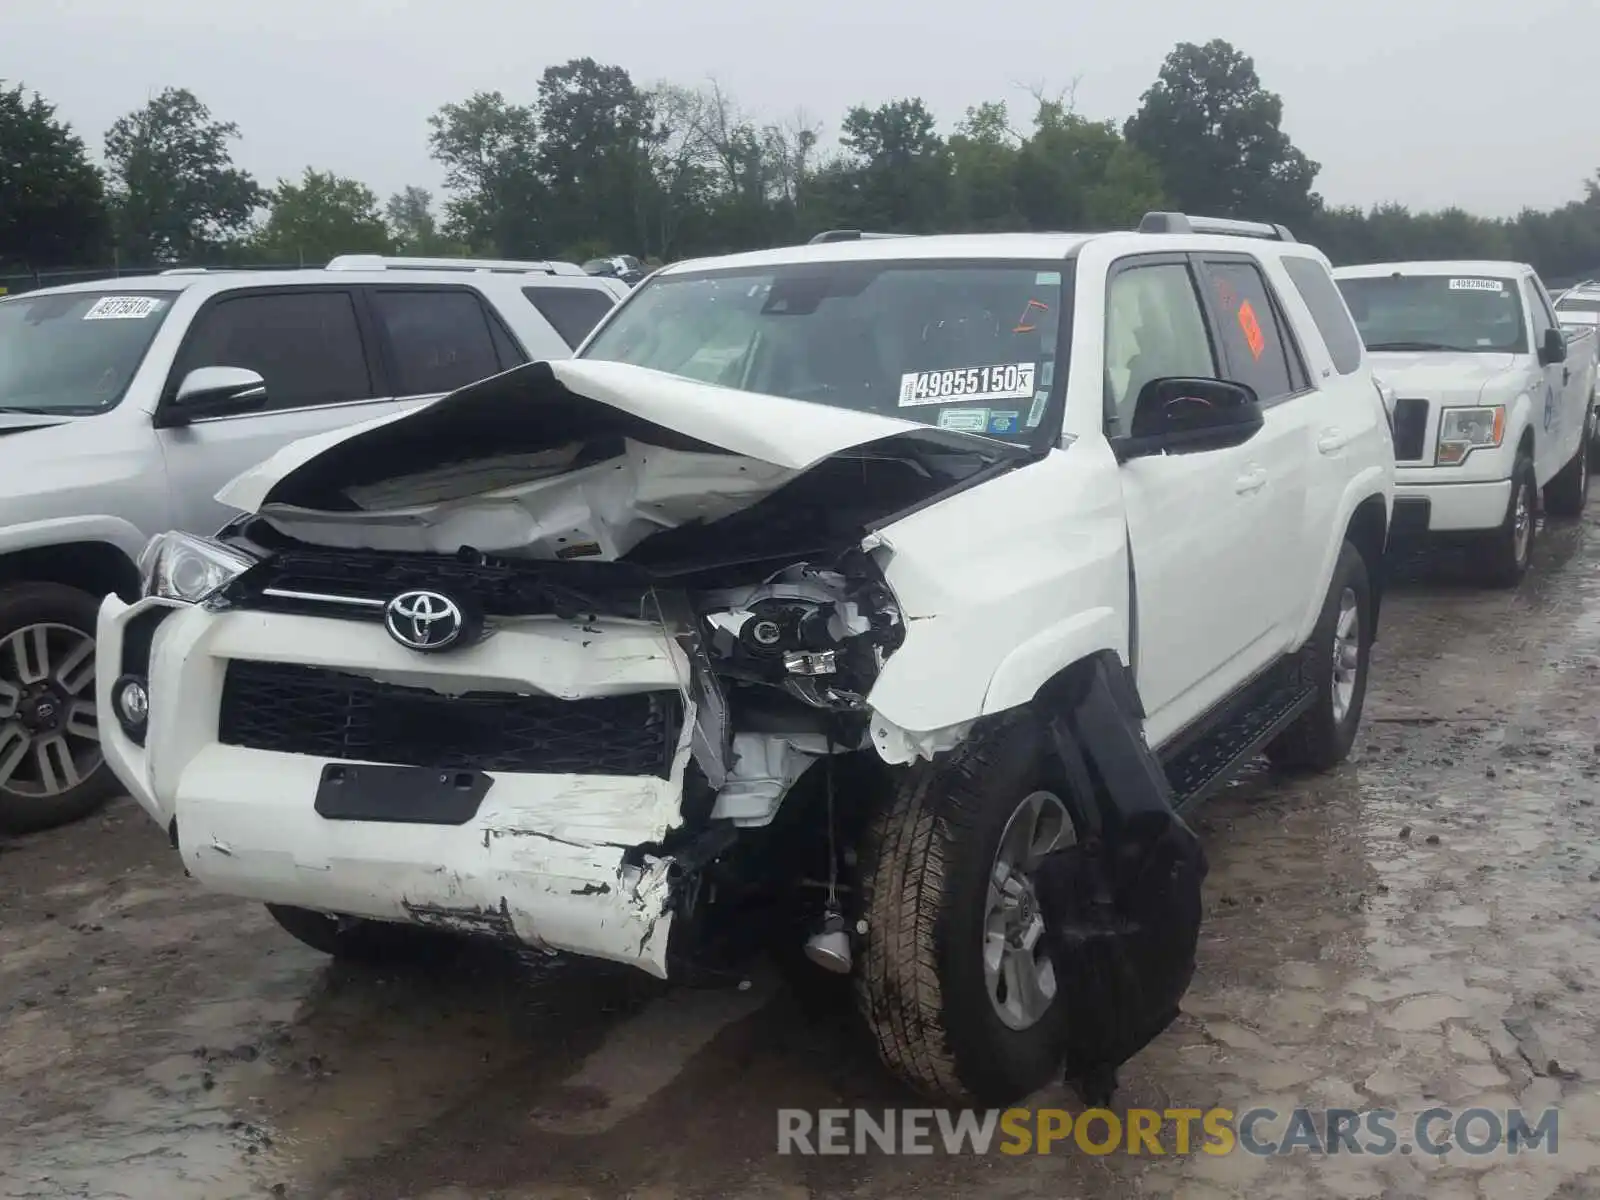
(849, 235)
(1172, 222)
(384, 262)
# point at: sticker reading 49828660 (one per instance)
(1012, 381)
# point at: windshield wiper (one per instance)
(1417, 346)
(53, 411)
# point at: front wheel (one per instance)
(955, 982)
(1508, 550)
(358, 940)
(1334, 661)
(51, 767)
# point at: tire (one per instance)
(1508, 550)
(39, 788)
(1568, 493)
(357, 940)
(926, 865)
(1321, 737)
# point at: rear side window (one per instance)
(439, 340)
(571, 311)
(306, 345)
(1317, 289)
(1253, 340)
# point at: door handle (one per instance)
(1251, 481)
(1332, 441)
(1566, 374)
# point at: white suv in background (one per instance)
(877, 595)
(126, 403)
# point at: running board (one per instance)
(1203, 766)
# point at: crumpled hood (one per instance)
(588, 459)
(791, 434)
(1442, 376)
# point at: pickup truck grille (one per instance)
(1410, 429)
(292, 709)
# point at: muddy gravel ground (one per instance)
(1421, 928)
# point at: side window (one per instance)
(305, 344)
(439, 339)
(1321, 294)
(1539, 310)
(571, 311)
(1154, 329)
(1252, 337)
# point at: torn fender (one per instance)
(1122, 906)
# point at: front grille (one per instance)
(356, 584)
(1410, 429)
(328, 714)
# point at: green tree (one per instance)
(594, 159)
(319, 217)
(489, 150)
(1216, 136)
(176, 195)
(983, 159)
(413, 229)
(897, 174)
(1077, 174)
(52, 200)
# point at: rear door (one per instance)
(1259, 349)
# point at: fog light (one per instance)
(132, 700)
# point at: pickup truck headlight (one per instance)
(179, 566)
(1463, 430)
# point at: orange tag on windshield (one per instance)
(1252, 329)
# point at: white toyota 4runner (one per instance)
(1493, 401)
(884, 595)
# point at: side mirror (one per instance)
(1554, 349)
(1178, 415)
(213, 392)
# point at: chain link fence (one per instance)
(27, 281)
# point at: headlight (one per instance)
(179, 566)
(1463, 430)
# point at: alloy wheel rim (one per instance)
(1346, 654)
(49, 730)
(1017, 970)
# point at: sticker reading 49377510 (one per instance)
(1013, 381)
(112, 308)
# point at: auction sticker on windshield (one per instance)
(1013, 381)
(965, 420)
(121, 308)
(1476, 285)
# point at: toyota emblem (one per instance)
(424, 621)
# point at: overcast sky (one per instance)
(1492, 105)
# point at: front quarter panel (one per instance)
(1004, 585)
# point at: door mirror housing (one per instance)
(213, 392)
(1181, 415)
(1554, 349)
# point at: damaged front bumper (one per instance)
(554, 859)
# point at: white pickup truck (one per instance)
(1493, 400)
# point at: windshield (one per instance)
(74, 352)
(1437, 312)
(967, 346)
(1569, 305)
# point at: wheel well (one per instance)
(94, 567)
(1525, 445)
(1368, 532)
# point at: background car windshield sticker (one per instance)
(965, 420)
(1036, 413)
(1011, 381)
(1476, 285)
(121, 308)
(1252, 329)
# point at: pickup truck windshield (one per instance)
(1583, 306)
(74, 352)
(968, 346)
(1437, 312)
